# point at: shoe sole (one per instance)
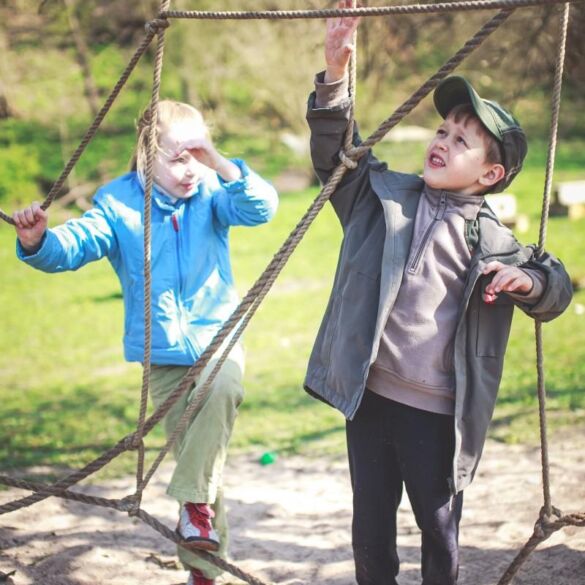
(194, 543)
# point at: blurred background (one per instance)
(61, 366)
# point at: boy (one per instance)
(412, 343)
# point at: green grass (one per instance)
(67, 395)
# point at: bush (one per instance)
(20, 167)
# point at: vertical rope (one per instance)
(152, 147)
(348, 140)
(556, 102)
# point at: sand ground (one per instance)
(290, 524)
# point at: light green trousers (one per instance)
(202, 448)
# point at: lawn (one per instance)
(67, 394)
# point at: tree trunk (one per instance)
(82, 54)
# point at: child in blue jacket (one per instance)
(198, 194)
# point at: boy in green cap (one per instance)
(412, 344)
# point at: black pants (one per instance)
(391, 444)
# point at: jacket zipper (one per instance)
(176, 226)
(439, 215)
(175, 222)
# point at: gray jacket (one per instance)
(377, 208)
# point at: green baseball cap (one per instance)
(454, 91)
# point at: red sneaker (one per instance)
(196, 577)
(195, 527)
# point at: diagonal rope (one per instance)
(265, 281)
(259, 290)
(127, 505)
(90, 133)
(550, 519)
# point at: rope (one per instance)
(550, 518)
(128, 505)
(152, 147)
(554, 127)
(94, 126)
(361, 11)
(545, 526)
(259, 290)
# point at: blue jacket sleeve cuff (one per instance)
(21, 254)
(236, 183)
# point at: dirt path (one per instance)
(290, 525)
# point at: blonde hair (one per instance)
(168, 112)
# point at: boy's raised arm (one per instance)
(339, 43)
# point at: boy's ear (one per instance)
(495, 173)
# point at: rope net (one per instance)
(550, 518)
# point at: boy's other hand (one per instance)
(339, 43)
(30, 224)
(506, 279)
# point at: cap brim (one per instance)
(455, 91)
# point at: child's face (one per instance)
(456, 158)
(175, 169)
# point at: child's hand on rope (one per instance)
(506, 279)
(339, 43)
(30, 225)
(203, 150)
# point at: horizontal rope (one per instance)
(363, 11)
(128, 505)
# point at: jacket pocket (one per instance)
(352, 331)
(493, 327)
(331, 328)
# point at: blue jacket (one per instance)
(192, 284)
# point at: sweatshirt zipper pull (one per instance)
(175, 222)
(442, 207)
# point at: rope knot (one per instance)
(153, 26)
(546, 525)
(132, 442)
(130, 504)
(347, 161)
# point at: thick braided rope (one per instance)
(259, 290)
(362, 11)
(92, 467)
(127, 505)
(51, 490)
(334, 180)
(546, 525)
(217, 561)
(554, 127)
(151, 28)
(147, 214)
(352, 92)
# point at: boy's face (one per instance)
(456, 158)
